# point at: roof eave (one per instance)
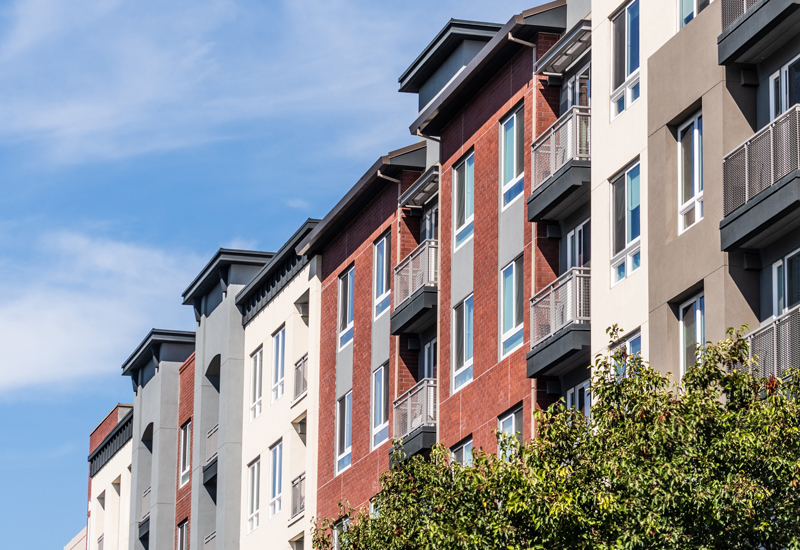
(154, 338)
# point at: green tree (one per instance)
(711, 462)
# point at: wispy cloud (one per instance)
(298, 203)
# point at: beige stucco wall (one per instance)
(78, 542)
(276, 419)
(112, 520)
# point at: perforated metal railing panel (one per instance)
(566, 300)
(734, 9)
(420, 268)
(415, 408)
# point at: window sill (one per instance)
(297, 399)
(296, 518)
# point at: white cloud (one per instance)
(298, 203)
(81, 304)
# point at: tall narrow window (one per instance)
(186, 452)
(183, 535)
(275, 478)
(690, 172)
(429, 360)
(256, 369)
(786, 283)
(625, 58)
(511, 306)
(689, 10)
(462, 336)
(580, 399)
(462, 453)
(512, 164)
(382, 274)
(279, 363)
(380, 406)
(344, 431)
(346, 306)
(253, 493)
(464, 175)
(430, 224)
(632, 346)
(579, 246)
(692, 319)
(784, 88)
(511, 424)
(626, 224)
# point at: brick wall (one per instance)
(183, 494)
(96, 437)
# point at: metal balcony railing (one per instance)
(418, 269)
(298, 495)
(100, 540)
(301, 376)
(564, 301)
(145, 503)
(776, 347)
(734, 9)
(415, 408)
(761, 161)
(569, 138)
(211, 443)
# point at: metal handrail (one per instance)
(568, 138)
(415, 408)
(564, 301)
(420, 268)
(298, 495)
(211, 443)
(775, 347)
(732, 10)
(301, 376)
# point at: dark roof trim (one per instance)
(523, 26)
(210, 274)
(567, 50)
(150, 346)
(364, 191)
(426, 186)
(445, 43)
(286, 251)
(113, 442)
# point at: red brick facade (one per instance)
(98, 435)
(183, 494)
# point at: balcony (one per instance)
(761, 186)
(298, 495)
(776, 346)
(300, 377)
(416, 289)
(561, 160)
(560, 325)
(415, 418)
(212, 446)
(754, 29)
(144, 524)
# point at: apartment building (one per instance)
(154, 368)
(110, 453)
(219, 397)
(280, 310)
(359, 371)
(183, 479)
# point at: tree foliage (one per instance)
(711, 462)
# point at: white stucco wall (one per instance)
(112, 520)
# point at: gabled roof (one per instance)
(362, 193)
(150, 347)
(490, 60)
(210, 274)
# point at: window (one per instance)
(632, 346)
(690, 172)
(689, 9)
(339, 527)
(381, 252)
(279, 363)
(346, 306)
(464, 175)
(462, 453)
(380, 406)
(430, 224)
(580, 399)
(626, 224)
(692, 318)
(462, 336)
(183, 535)
(429, 358)
(275, 478)
(256, 368)
(511, 424)
(253, 493)
(511, 306)
(786, 283)
(784, 90)
(625, 58)
(344, 431)
(579, 246)
(512, 162)
(186, 452)
(579, 91)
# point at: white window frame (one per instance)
(571, 402)
(630, 87)
(626, 345)
(345, 334)
(467, 229)
(517, 331)
(780, 280)
(465, 447)
(573, 90)
(256, 382)
(183, 539)
(346, 453)
(278, 363)
(516, 431)
(185, 457)
(627, 256)
(782, 77)
(430, 220)
(380, 402)
(518, 179)
(695, 13)
(578, 235)
(275, 478)
(429, 359)
(253, 493)
(382, 301)
(467, 366)
(696, 201)
(698, 302)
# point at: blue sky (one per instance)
(136, 138)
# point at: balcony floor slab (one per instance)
(561, 194)
(417, 313)
(565, 350)
(760, 32)
(420, 441)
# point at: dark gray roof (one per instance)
(361, 194)
(435, 53)
(490, 60)
(210, 274)
(113, 442)
(151, 344)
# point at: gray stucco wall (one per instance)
(769, 255)
(381, 336)
(344, 370)
(577, 10)
(461, 272)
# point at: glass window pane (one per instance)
(348, 437)
(633, 203)
(780, 299)
(689, 334)
(619, 272)
(586, 244)
(620, 104)
(686, 139)
(688, 218)
(776, 96)
(687, 12)
(793, 281)
(633, 37)
(380, 265)
(342, 426)
(635, 89)
(508, 298)
(343, 301)
(794, 84)
(377, 394)
(583, 91)
(469, 186)
(520, 141)
(518, 294)
(636, 261)
(508, 150)
(460, 194)
(351, 295)
(618, 190)
(699, 162)
(636, 346)
(468, 329)
(702, 4)
(618, 71)
(459, 335)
